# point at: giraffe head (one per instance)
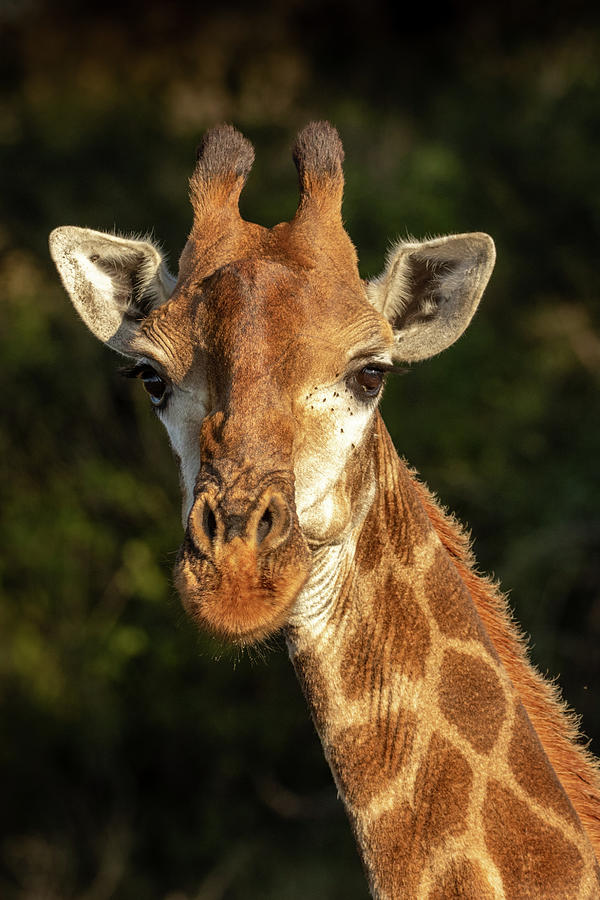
(265, 360)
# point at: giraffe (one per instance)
(460, 768)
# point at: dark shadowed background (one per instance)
(138, 760)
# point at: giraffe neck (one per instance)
(448, 788)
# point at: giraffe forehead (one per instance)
(254, 315)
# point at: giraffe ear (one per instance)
(429, 291)
(113, 282)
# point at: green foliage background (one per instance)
(137, 760)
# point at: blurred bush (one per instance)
(138, 759)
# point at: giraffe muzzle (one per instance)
(243, 562)
(266, 524)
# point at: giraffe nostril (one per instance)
(205, 525)
(213, 523)
(265, 524)
(209, 522)
(272, 526)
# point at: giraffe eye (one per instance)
(368, 381)
(156, 387)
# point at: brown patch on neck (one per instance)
(403, 838)
(449, 601)
(391, 634)
(367, 757)
(526, 759)
(529, 854)
(471, 697)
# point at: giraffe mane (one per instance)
(557, 726)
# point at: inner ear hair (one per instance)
(418, 280)
(430, 290)
(426, 279)
(138, 284)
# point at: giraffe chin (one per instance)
(240, 596)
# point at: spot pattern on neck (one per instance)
(432, 750)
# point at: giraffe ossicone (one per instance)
(461, 770)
